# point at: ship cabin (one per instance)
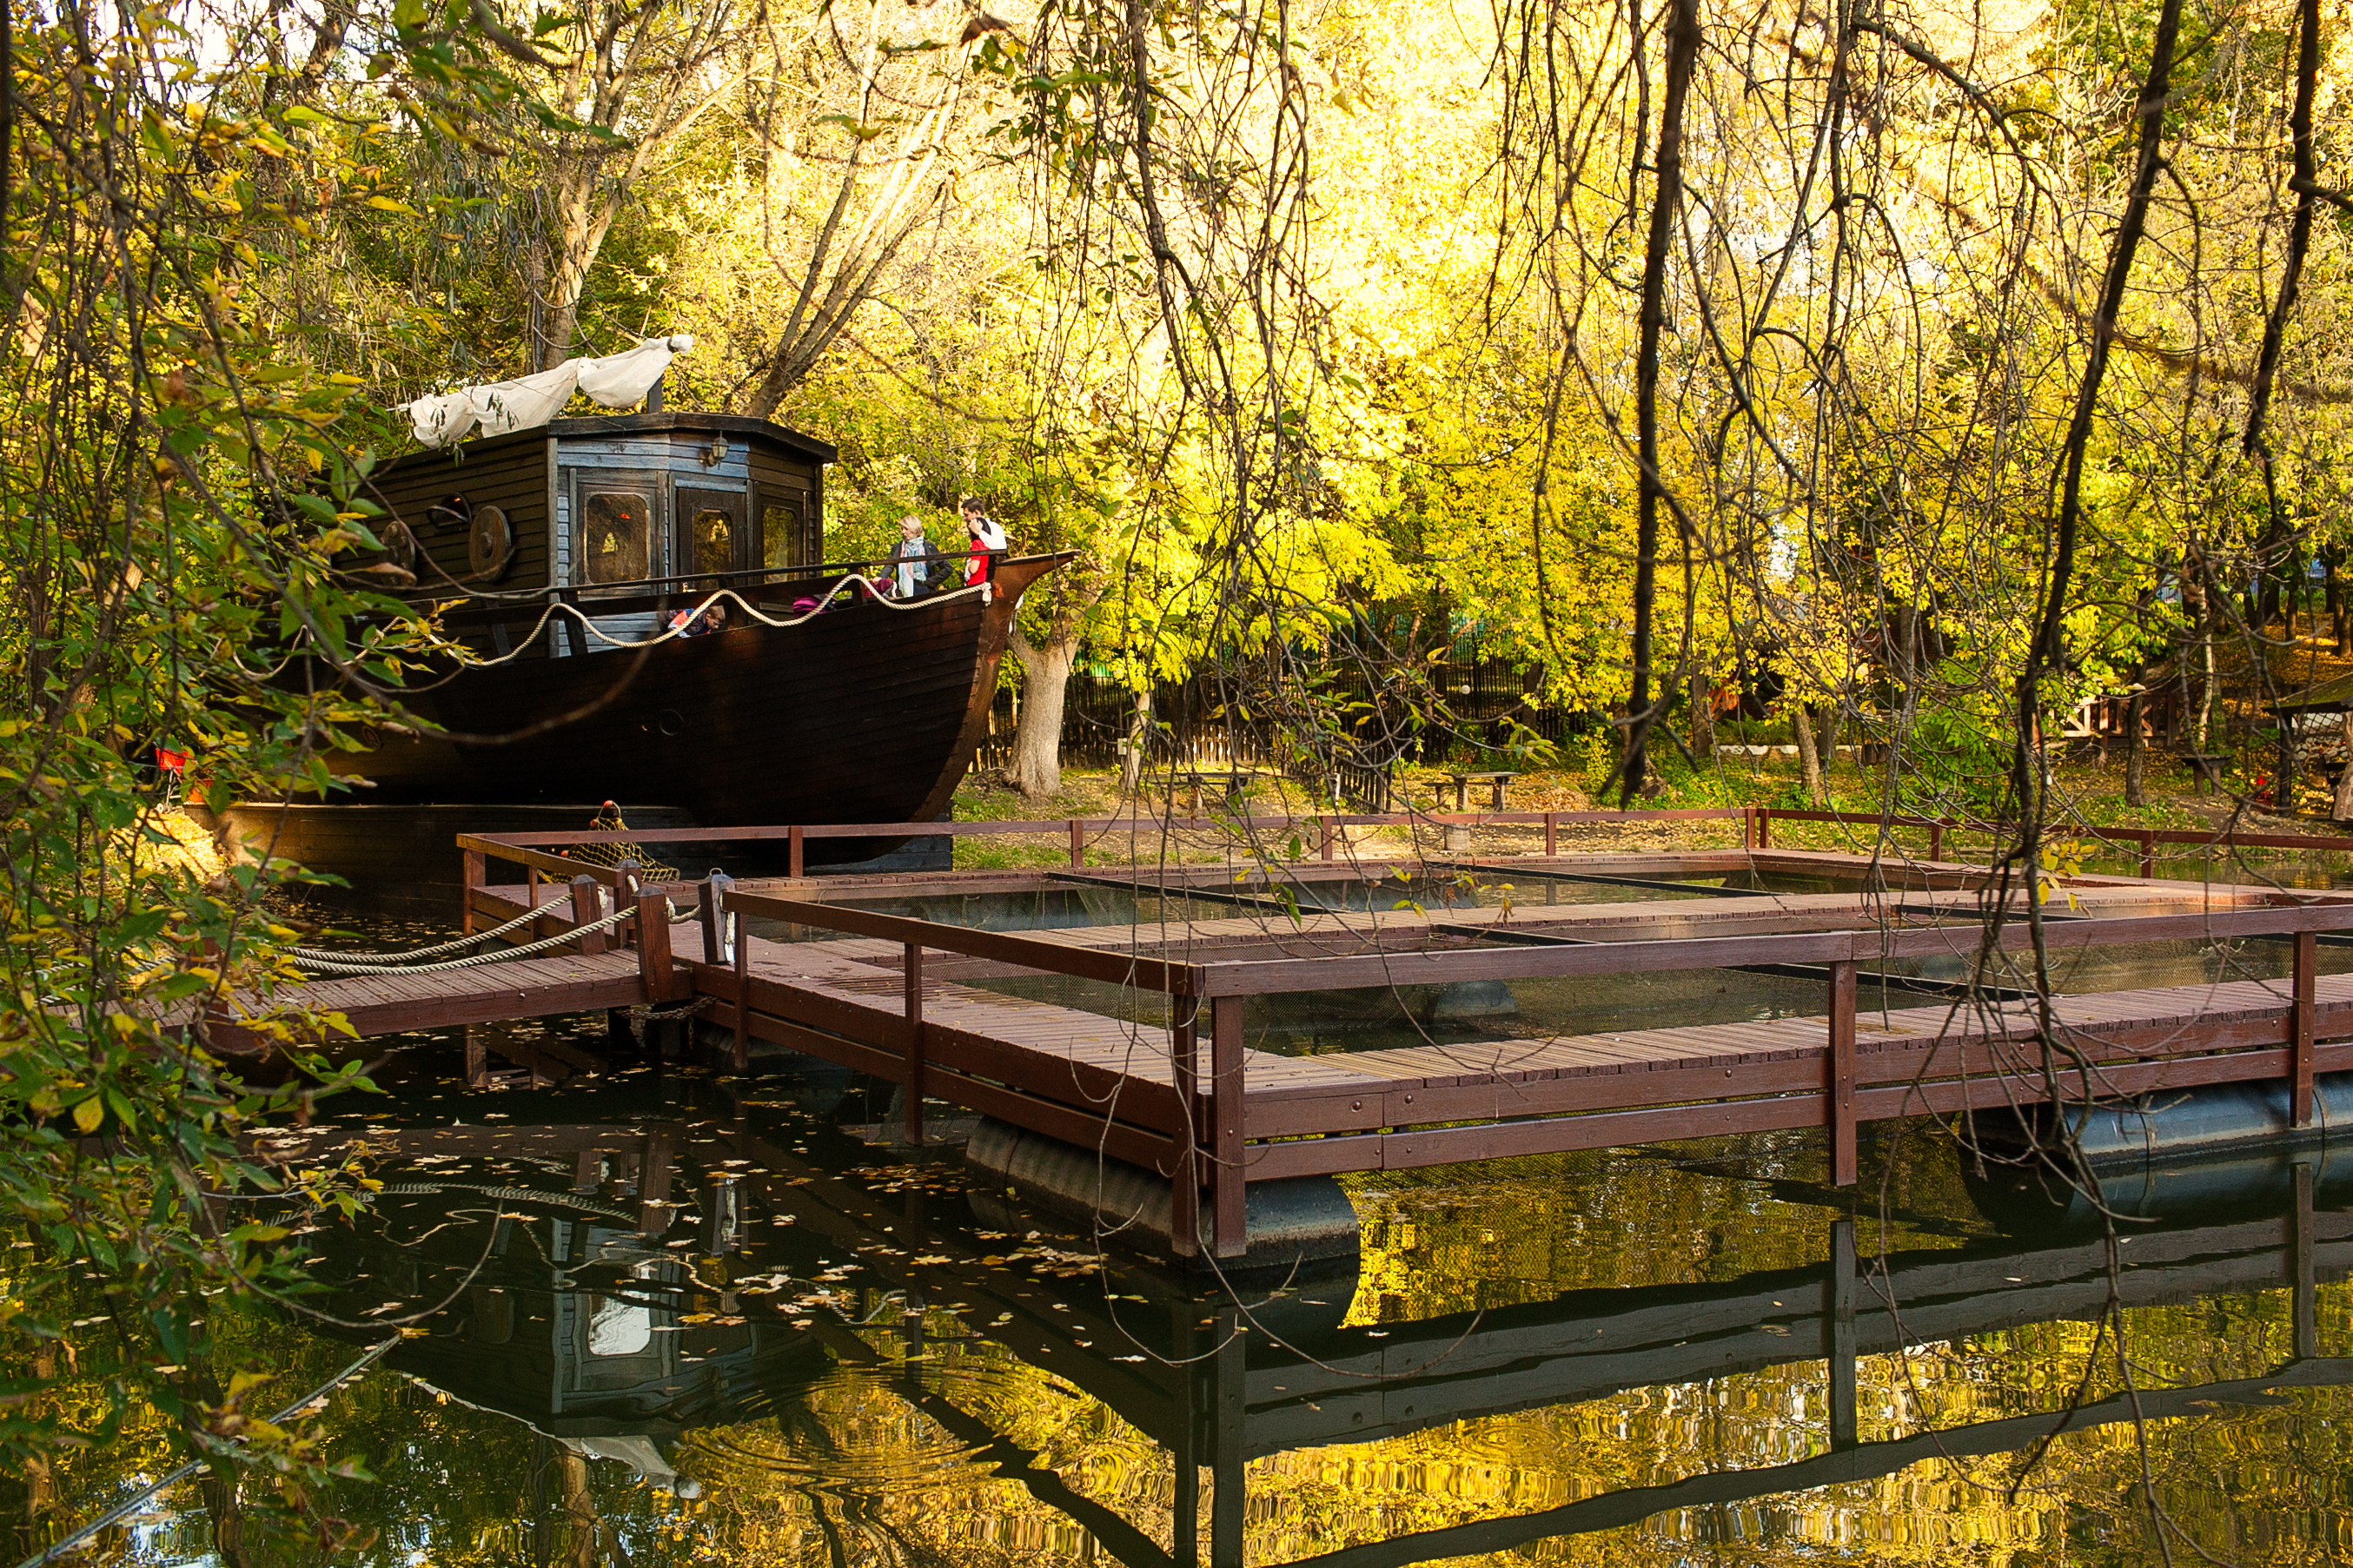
(626, 516)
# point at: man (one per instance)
(988, 542)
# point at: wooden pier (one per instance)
(1164, 1077)
(1160, 1071)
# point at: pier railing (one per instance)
(1760, 833)
(1202, 1145)
(1081, 833)
(1325, 831)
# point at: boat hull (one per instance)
(866, 712)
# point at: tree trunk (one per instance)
(580, 1513)
(1809, 757)
(1139, 742)
(2135, 754)
(583, 217)
(1037, 734)
(2342, 809)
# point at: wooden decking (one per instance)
(392, 1003)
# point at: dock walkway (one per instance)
(394, 1003)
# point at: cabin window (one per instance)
(780, 535)
(616, 538)
(712, 538)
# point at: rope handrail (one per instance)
(347, 968)
(387, 960)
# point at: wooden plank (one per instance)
(1620, 1129)
(1093, 1127)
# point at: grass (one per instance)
(2092, 793)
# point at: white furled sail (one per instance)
(614, 381)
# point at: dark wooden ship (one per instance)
(865, 711)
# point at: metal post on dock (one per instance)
(587, 910)
(1764, 827)
(1229, 1237)
(2300, 1046)
(1936, 841)
(796, 861)
(1331, 834)
(1078, 845)
(914, 986)
(1552, 833)
(1841, 1073)
(710, 898)
(2147, 853)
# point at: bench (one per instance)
(1462, 783)
(2208, 766)
(1228, 781)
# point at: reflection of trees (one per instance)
(929, 1437)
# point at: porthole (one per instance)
(489, 543)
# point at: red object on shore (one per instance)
(171, 762)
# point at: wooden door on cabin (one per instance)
(782, 529)
(712, 536)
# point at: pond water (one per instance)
(1389, 1018)
(659, 1315)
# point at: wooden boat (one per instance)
(569, 547)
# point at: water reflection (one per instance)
(677, 1319)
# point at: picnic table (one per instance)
(1462, 783)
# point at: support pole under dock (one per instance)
(2300, 1042)
(1184, 1197)
(914, 991)
(1225, 1142)
(1840, 1070)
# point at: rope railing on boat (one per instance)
(864, 583)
